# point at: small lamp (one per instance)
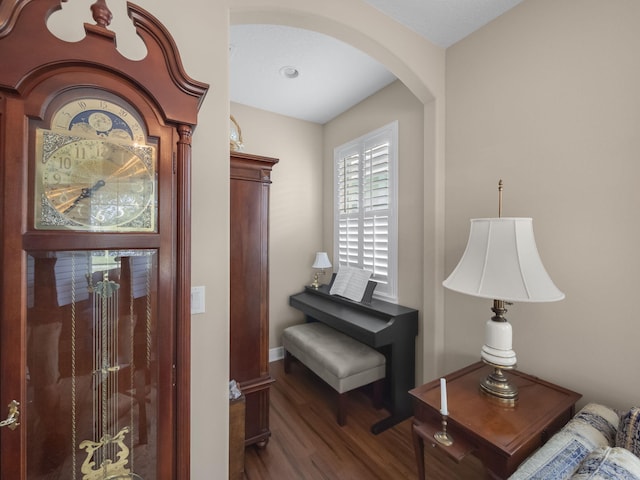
(321, 262)
(501, 262)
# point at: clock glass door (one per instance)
(92, 364)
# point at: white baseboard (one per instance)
(276, 354)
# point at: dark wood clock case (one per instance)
(38, 72)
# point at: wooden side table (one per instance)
(501, 436)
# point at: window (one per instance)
(365, 218)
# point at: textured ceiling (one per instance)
(443, 22)
(334, 76)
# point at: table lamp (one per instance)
(501, 262)
(321, 262)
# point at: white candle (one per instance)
(443, 397)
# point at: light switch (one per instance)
(197, 300)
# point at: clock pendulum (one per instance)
(109, 451)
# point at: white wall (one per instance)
(546, 98)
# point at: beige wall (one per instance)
(295, 213)
(546, 98)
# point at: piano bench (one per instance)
(341, 361)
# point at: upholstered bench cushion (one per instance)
(341, 361)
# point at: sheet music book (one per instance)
(350, 283)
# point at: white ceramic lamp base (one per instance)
(497, 344)
(498, 353)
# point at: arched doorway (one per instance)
(420, 66)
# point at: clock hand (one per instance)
(86, 193)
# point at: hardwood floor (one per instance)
(307, 443)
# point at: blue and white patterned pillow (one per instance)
(629, 431)
(592, 427)
(603, 419)
(559, 458)
(609, 463)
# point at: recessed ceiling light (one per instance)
(289, 72)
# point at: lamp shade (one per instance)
(322, 261)
(501, 262)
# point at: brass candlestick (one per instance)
(443, 438)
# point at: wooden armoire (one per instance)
(249, 295)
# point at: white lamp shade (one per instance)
(501, 262)
(322, 261)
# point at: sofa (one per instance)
(598, 443)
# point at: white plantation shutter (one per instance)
(365, 206)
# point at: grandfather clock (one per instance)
(95, 155)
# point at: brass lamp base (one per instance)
(315, 283)
(497, 385)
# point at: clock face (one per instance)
(94, 171)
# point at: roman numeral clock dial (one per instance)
(95, 170)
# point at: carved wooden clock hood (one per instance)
(95, 181)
